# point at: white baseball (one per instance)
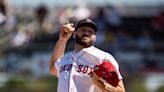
(68, 28)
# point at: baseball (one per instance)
(68, 28)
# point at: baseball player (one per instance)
(75, 69)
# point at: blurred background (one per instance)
(131, 30)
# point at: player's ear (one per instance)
(94, 38)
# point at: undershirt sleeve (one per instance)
(57, 66)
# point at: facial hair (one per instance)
(83, 43)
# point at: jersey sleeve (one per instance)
(57, 66)
(114, 62)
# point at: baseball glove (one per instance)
(107, 72)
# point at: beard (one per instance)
(80, 41)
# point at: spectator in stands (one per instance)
(158, 22)
(101, 25)
(7, 19)
(20, 37)
(123, 39)
(65, 14)
(146, 47)
(41, 27)
(113, 18)
(145, 42)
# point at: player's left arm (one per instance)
(106, 87)
(110, 88)
(120, 87)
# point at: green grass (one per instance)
(46, 84)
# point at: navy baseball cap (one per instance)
(87, 22)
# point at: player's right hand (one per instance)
(66, 31)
